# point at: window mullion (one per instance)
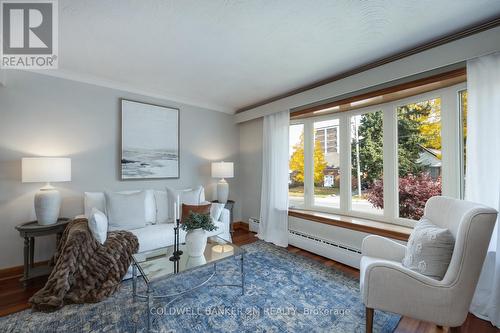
(390, 161)
(450, 141)
(308, 164)
(345, 163)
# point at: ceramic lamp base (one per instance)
(222, 191)
(47, 205)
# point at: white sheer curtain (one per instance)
(483, 171)
(273, 226)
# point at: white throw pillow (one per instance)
(149, 204)
(98, 200)
(126, 211)
(429, 249)
(94, 200)
(98, 225)
(216, 210)
(150, 207)
(193, 197)
(161, 200)
(187, 196)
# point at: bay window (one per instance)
(383, 161)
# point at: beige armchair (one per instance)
(386, 285)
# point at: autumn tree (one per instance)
(296, 163)
(430, 127)
(319, 163)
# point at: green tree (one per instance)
(370, 136)
(411, 118)
(418, 125)
(296, 163)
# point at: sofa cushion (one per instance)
(429, 249)
(161, 235)
(126, 211)
(154, 236)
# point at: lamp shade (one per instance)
(46, 169)
(222, 170)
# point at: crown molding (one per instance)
(101, 82)
(465, 32)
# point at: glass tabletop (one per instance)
(156, 264)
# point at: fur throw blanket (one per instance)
(85, 271)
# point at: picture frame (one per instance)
(150, 141)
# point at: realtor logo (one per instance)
(29, 34)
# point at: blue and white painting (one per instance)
(150, 141)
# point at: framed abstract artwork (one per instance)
(150, 141)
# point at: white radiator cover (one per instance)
(338, 252)
(253, 224)
(339, 244)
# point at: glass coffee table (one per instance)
(155, 265)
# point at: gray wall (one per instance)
(250, 167)
(47, 116)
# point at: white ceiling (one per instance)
(226, 54)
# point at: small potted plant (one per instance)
(196, 226)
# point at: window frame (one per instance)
(462, 146)
(452, 153)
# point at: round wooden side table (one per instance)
(29, 231)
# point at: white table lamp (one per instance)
(46, 170)
(222, 170)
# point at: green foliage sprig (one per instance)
(197, 221)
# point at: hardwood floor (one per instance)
(14, 298)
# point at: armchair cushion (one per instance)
(387, 285)
(383, 248)
(429, 249)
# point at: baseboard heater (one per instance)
(253, 224)
(327, 248)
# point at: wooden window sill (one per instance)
(354, 223)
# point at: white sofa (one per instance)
(160, 234)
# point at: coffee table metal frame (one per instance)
(149, 296)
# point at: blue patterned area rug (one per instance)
(284, 293)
